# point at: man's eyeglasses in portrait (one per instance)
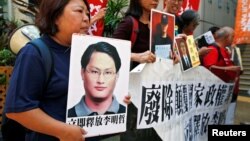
(95, 73)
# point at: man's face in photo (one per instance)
(164, 28)
(183, 48)
(99, 77)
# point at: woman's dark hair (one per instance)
(213, 29)
(35, 2)
(103, 47)
(186, 18)
(49, 11)
(134, 9)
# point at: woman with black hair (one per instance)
(139, 11)
(188, 21)
(37, 104)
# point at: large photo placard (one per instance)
(161, 33)
(98, 84)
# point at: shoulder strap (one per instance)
(135, 30)
(219, 52)
(44, 51)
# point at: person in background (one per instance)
(184, 24)
(234, 53)
(202, 43)
(140, 10)
(218, 61)
(173, 6)
(188, 21)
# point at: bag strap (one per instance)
(135, 30)
(44, 51)
(218, 50)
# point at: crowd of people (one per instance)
(40, 106)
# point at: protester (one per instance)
(140, 10)
(219, 62)
(100, 71)
(41, 106)
(38, 106)
(173, 6)
(188, 21)
(220, 59)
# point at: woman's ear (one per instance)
(82, 73)
(117, 76)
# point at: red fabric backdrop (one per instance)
(98, 27)
(189, 4)
(242, 23)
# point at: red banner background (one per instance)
(188, 4)
(95, 6)
(242, 23)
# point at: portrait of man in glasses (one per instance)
(100, 65)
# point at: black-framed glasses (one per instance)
(96, 73)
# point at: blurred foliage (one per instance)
(3, 79)
(3, 2)
(7, 58)
(114, 15)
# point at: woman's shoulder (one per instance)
(28, 49)
(129, 20)
(124, 29)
